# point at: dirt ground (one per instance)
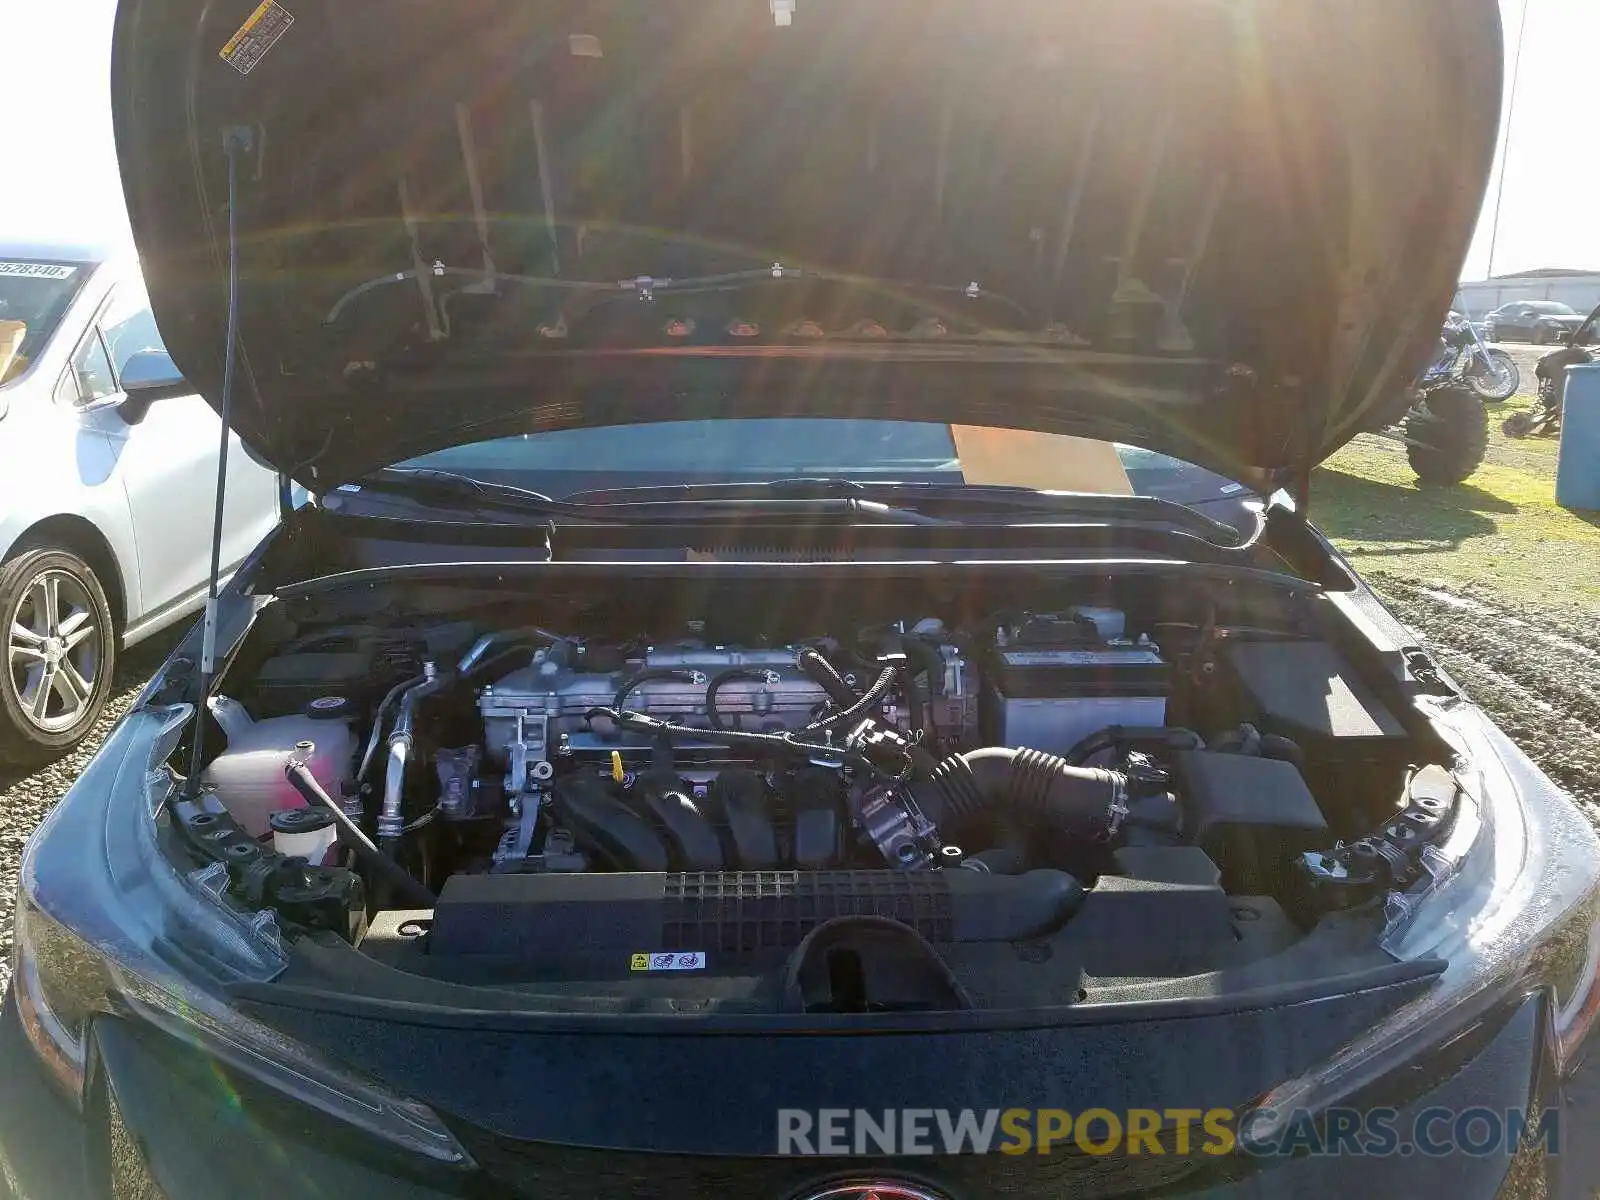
(1536, 672)
(1502, 583)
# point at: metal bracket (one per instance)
(644, 285)
(1425, 671)
(904, 836)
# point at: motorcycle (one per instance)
(1441, 419)
(1545, 419)
(1464, 359)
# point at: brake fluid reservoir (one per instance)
(248, 776)
(307, 833)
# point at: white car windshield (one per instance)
(34, 296)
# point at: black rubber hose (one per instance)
(815, 666)
(644, 676)
(864, 706)
(998, 860)
(1097, 742)
(927, 660)
(713, 717)
(916, 714)
(1030, 786)
(497, 662)
(1153, 738)
(304, 782)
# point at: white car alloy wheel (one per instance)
(59, 648)
(55, 650)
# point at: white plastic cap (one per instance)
(783, 12)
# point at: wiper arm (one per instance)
(670, 509)
(462, 491)
(807, 487)
(1140, 510)
(956, 499)
(810, 498)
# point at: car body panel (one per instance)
(182, 1125)
(632, 1114)
(692, 1113)
(743, 152)
(55, 459)
(145, 489)
(1524, 321)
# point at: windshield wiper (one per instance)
(453, 484)
(955, 500)
(671, 508)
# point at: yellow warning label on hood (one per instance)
(259, 33)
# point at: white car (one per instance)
(108, 467)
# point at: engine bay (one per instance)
(1084, 791)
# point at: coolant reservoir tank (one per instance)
(248, 776)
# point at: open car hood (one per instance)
(1223, 229)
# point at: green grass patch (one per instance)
(1501, 531)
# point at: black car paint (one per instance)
(161, 1115)
(1512, 322)
(1293, 346)
(601, 1112)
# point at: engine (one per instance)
(561, 806)
(545, 714)
(685, 753)
(708, 756)
(563, 802)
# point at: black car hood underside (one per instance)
(1224, 229)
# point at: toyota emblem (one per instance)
(874, 1189)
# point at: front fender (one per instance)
(58, 464)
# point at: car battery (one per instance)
(1048, 688)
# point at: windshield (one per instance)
(34, 296)
(564, 462)
(1552, 308)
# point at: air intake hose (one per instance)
(1028, 786)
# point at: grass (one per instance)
(1501, 531)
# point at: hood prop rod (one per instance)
(236, 140)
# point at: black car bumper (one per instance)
(161, 1122)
